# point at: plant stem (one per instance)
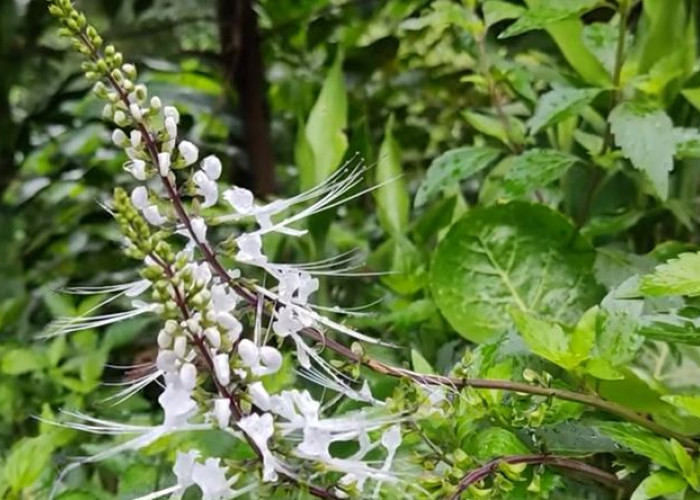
(614, 100)
(476, 475)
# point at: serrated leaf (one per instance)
(560, 104)
(547, 12)
(393, 204)
(679, 276)
(452, 167)
(484, 265)
(659, 484)
(28, 458)
(534, 169)
(671, 327)
(325, 127)
(497, 442)
(640, 441)
(646, 137)
(545, 338)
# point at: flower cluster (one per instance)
(213, 318)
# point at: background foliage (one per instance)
(543, 159)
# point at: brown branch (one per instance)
(489, 468)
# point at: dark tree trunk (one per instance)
(245, 72)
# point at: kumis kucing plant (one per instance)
(232, 319)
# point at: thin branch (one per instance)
(476, 475)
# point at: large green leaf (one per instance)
(646, 137)
(452, 167)
(497, 442)
(392, 195)
(325, 127)
(679, 276)
(515, 255)
(560, 104)
(28, 458)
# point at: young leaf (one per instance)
(496, 11)
(534, 169)
(513, 131)
(325, 127)
(689, 404)
(679, 276)
(559, 104)
(547, 12)
(497, 442)
(392, 197)
(452, 167)
(484, 266)
(646, 137)
(544, 338)
(419, 363)
(28, 458)
(659, 484)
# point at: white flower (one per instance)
(139, 197)
(135, 111)
(231, 324)
(250, 249)
(248, 352)
(242, 200)
(222, 368)
(184, 464)
(164, 163)
(199, 229)
(307, 286)
(271, 360)
(212, 167)
(172, 112)
(211, 479)
(188, 376)
(222, 412)
(176, 401)
(213, 337)
(120, 118)
(189, 152)
(155, 102)
(166, 361)
(153, 216)
(222, 298)
(206, 188)
(135, 137)
(286, 322)
(259, 395)
(171, 127)
(119, 138)
(260, 428)
(137, 168)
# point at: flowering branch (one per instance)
(492, 466)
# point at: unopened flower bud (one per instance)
(164, 163)
(119, 138)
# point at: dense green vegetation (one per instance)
(523, 242)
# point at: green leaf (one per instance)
(392, 196)
(484, 266)
(693, 97)
(545, 338)
(679, 276)
(640, 441)
(124, 332)
(419, 363)
(687, 142)
(497, 442)
(510, 132)
(584, 334)
(560, 104)
(666, 24)
(547, 12)
(659, 484)
(77, 495)
(689, 404)
(496, 11)
(670, 327)
(685, 462)
(646, 137)
(534, 169)
(325, 127)
(20, 361)
(28, 458)
(451, 167)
